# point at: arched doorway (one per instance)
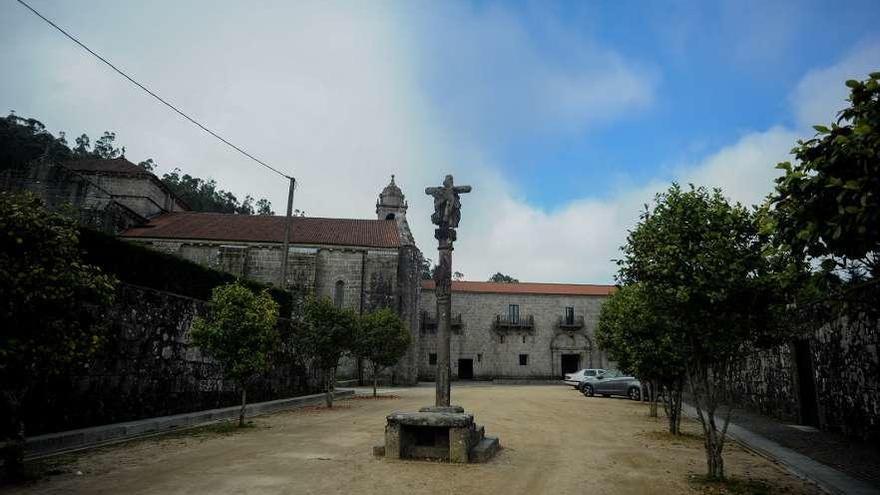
(570, 352)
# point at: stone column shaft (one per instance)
(444, 308)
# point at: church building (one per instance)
(500, 331)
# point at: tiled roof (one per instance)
(264, 228)
(527, 288)
(115, 165)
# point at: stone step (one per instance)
(477, 434)
(485, 449)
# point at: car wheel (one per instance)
(588, 391)
(635, 393)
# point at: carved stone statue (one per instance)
(447, 207)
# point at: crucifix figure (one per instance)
(447, 213)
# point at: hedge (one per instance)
(139, 265)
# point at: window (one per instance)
(523, 359)
(432, 358)
(479, 358)
(569, 316)
(501, 339)
(513, 313)
(339, 294)
(389, 216)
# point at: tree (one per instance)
(827, 205)
(502, 278)
(699, 258)
(149, 165)
(240, 332)
(382, 339)
(24, 140)
(457, 276)
(51, 305)
(264, 207)
(104, 148)
(204, 195)
(631, 329)
(325, 335)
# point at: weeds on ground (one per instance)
(39, 469)
(735, 486)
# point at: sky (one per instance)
(566, 118)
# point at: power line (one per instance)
(154, 95)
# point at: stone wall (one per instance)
(59, 187)
(496, 354)
(829, 377)
(368, 278)
(147, 368)
(143, 193)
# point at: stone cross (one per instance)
(447, 213)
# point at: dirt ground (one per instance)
(554, 441)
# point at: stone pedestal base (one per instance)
(440, 433)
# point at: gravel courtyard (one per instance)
(554, 441)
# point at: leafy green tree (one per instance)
(827, 205)
(325, 335)
(502, 278)
(104, 147)
(264, 207)
(383, 339)
(700, 259)
(240, 332)
(24, 140)
(631, 329)
(204, 195)
(149, 165)
(51, 305)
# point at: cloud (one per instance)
(820, 94)
(578, 242)
(345, 95)
(495, 77)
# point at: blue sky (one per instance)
(565, 117)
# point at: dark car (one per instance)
(612, 382)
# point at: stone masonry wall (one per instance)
(59, 187)
(367, 277)
(147, 368)
(845, 375)
(496, 354)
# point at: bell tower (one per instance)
(391, 205)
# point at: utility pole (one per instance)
(286, 245)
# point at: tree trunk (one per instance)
(375, 378)
(243, 405)
(652, 397)
(330, 384)
(706, 397)
(672, 406)
(13, 451)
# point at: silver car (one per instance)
(612, 382)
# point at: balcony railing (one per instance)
(575, 323)
(526, 322)
(428, 323)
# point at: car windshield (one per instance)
(611, 374)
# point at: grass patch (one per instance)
(38, 469)
(735, 486)
(684, 438)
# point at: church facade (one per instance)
(361, 264)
